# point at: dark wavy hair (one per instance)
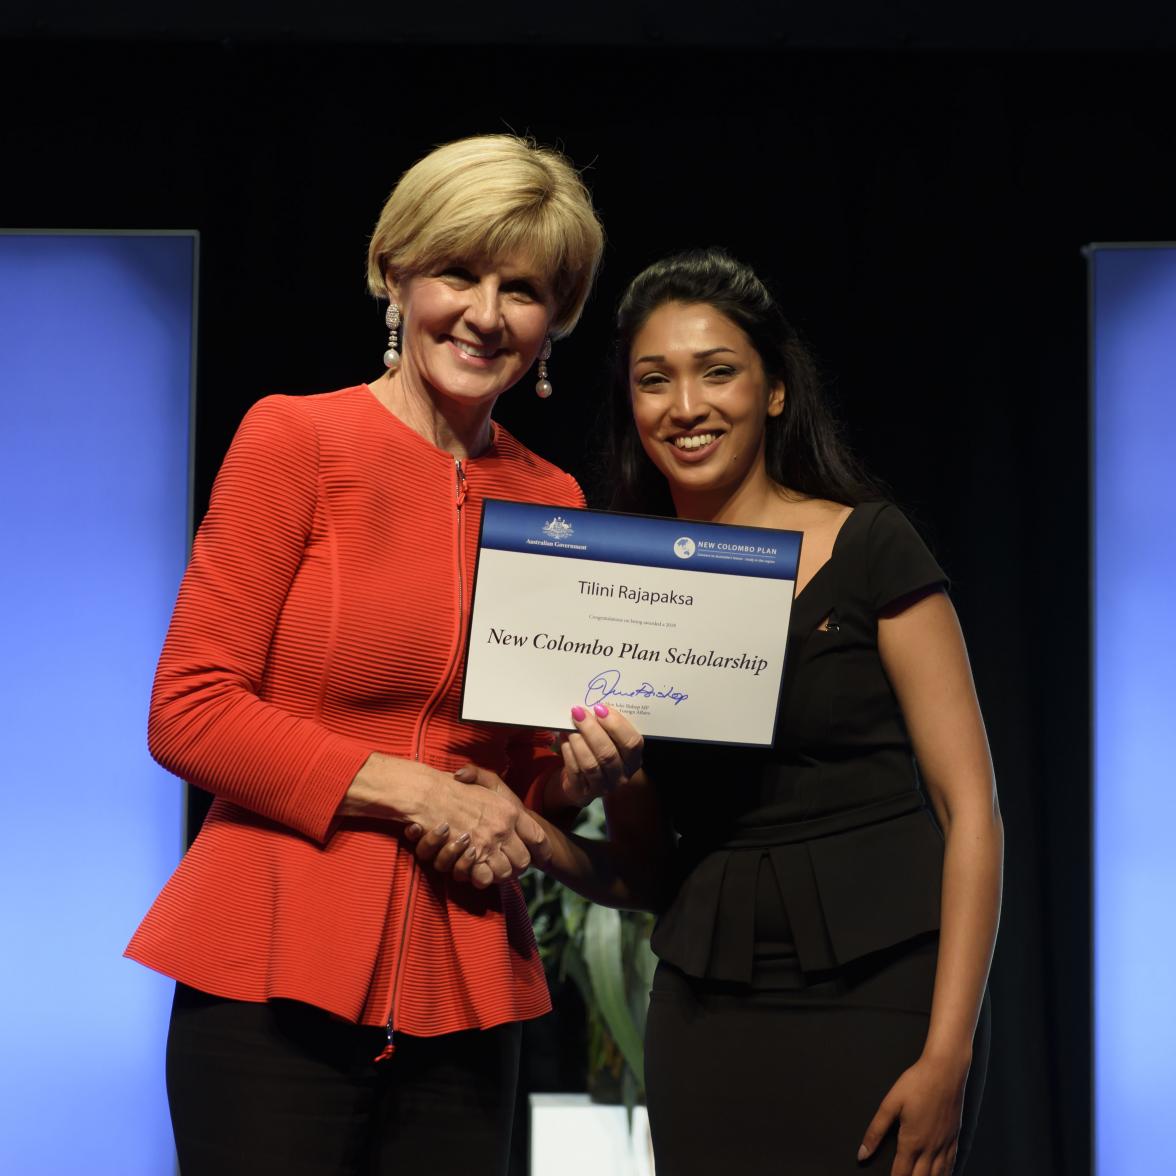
(804, 447)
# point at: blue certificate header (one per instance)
(638, 539)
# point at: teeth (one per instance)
(470, 349)
(695, 442)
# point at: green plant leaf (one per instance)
(592, 823)
(604, 959)
(630, 1093)
(573, 968)
(644, 961)
(573, 908)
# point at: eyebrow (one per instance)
(474, 264)
(697, 355)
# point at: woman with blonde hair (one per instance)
(341, 1007)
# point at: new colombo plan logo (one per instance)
(684, 547)
(558, 528)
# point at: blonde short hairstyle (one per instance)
(487, 197)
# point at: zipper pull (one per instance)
(388, 1049)
(461, 483)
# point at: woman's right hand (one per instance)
(455, 856)
(490, 837)
(489, 824)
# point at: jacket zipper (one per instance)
(460, 491)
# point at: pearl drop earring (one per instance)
(543, 388)
(392, 355)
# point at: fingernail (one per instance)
(467, 774)
(600, 710)
(414, 830)
(471, 852)
(441, 830)
(464, 839)
(579, 714)
(863, 1153)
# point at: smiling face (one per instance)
(471, 329)
(700, 401)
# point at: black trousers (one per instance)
(284, 1088)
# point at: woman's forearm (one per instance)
(603, 871)
(970, 912)
(388, 787)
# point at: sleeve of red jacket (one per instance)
(207, 722)
(532, 763)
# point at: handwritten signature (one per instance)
(607, 684)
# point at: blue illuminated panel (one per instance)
(1134, 418)
(95, 381)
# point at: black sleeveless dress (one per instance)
(797, 953)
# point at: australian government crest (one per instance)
(558, 528)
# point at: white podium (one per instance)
(573, 1136)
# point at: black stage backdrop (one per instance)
(922, 216)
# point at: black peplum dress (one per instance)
(797, 953)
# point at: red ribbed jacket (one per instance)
(323, 617)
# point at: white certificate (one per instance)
(681, 626)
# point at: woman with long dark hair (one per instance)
(828, 906)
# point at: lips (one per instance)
(694, 441)
(472, 350)
(692, 448)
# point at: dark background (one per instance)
(917, 184)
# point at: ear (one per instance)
(394, 286)
(776, 399)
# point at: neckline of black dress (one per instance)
(820, 586)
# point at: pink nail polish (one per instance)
(600, 710)
(579, 714)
